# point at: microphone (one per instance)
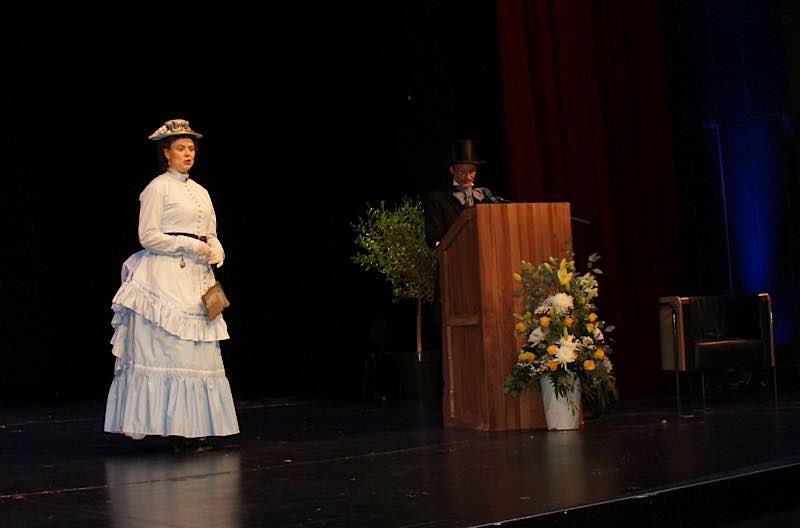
(580, 220)
(492, 198)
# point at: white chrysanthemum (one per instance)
(587, 341)
(543, 308)
(567, 350)
(607, 363)
(537, 336)
(562, 302)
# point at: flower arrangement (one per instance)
(565, 336)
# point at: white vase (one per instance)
(559, 414)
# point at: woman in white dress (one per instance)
(169, 379)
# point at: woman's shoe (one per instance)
(181, 444)
(178, 443)
(203, 446)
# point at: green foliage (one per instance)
(392, 242)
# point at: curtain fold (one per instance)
(587, 122)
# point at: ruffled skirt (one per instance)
(169, 378)
(158, 288)
(167, 386)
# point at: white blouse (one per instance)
(174, 203)
(165, 281)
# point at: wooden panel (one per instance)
(463, 360)
(466, 402)
(507, 234)
(496, 288)
(460, 285)
(477, 258)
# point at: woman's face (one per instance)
(463, 173)
(180, 155)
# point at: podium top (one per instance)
(523, 215)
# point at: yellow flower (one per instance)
(521, 327)
(563, 275)
(588, 364)
(590, 328)
(599, 354)
(552, 349)
(592, 317)
(525, 356)
(544, 322)
(552, 364)
(568, 322)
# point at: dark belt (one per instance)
(191, 235)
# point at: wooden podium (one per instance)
(477, 258)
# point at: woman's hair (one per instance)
(165, 144)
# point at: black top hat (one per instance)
(464, 151)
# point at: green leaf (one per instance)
(392, 242)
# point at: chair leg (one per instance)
(676, 364)
(775, 386)
(703, 389)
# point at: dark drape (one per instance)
(587, 122)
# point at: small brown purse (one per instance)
(214, 299)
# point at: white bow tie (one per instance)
(467, 195)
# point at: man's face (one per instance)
(463, 173)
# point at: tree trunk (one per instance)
(419, 329)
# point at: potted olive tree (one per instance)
(391, 241)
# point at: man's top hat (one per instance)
(464, 151)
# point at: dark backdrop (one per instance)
(309, 112)
(733, 77)
(635, 112)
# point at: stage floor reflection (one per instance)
(362, 464)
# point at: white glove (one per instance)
(217, 257)
(202, 250)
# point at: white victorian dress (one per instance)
(168, 377)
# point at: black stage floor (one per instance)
(356, 464)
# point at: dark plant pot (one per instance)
(420, 378)
(381, 380)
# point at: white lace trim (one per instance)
(208, 373)
(186, 325)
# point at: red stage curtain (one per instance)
(587, 122)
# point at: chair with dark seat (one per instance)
(717, 333)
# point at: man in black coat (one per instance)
(443, 206)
